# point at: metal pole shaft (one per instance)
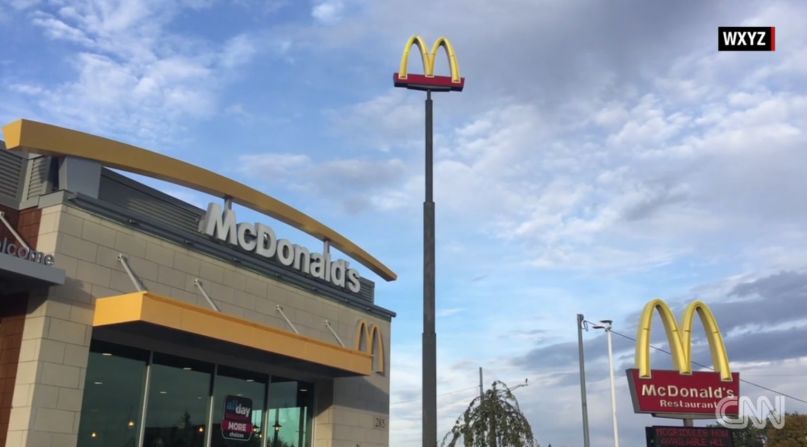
(583, 394)
(613, 386)
(429, 335)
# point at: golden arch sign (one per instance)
(428, 80)
(681, 393)
(680, 338)
(370, 339)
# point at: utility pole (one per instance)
(583, 399)
(481, 388)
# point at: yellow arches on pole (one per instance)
(680, 338)
(428, 58)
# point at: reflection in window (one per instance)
(244, 393)
(179, 392)
(113, 393)
(289, 422)
(178, 408)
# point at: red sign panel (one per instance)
(423, 82)
(237, 423)
(688, 437)
(674, 395)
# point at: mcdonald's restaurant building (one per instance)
(130, 318)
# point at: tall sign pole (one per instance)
(429, 330)
(429, 83)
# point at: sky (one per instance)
(601, 155)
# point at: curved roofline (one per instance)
(47, 139)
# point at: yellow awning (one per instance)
(146, 307)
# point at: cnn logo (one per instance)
(757, 413)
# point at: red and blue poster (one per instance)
(237, 423)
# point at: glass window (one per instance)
(238, 405)
(289, 421)
(113, 393)
(178, 398)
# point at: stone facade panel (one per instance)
(76, 247)
(54, 420)
(60, 375)
(130, 244)
(67, 331)
(100, 234)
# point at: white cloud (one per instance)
(265, 6)
(358, 185)
(23, 4)
(328, 11)
(240, 112)
(648, 126)
(270, 165)
(449, 312)
(133, 76)
(57, 29)
(238, 51)
(28, 89)
(384, 122)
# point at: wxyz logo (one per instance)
(746, 38)
(748, 412)
(738, 38)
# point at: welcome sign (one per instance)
(20, 251)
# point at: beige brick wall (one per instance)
(58, 328)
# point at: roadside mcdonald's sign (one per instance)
(428, 80)
(680, 393)
(370, 339)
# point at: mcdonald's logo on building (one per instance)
(428, 80)
(680, 393)
(370, 339)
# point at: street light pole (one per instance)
(613, 384)
(583, 398)
(606, 324)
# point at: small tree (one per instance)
(494, 420)
(793, 434)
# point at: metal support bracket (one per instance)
(132, 277)
(13, 231)
(198, 283)
(333, 332)
(279, 310)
